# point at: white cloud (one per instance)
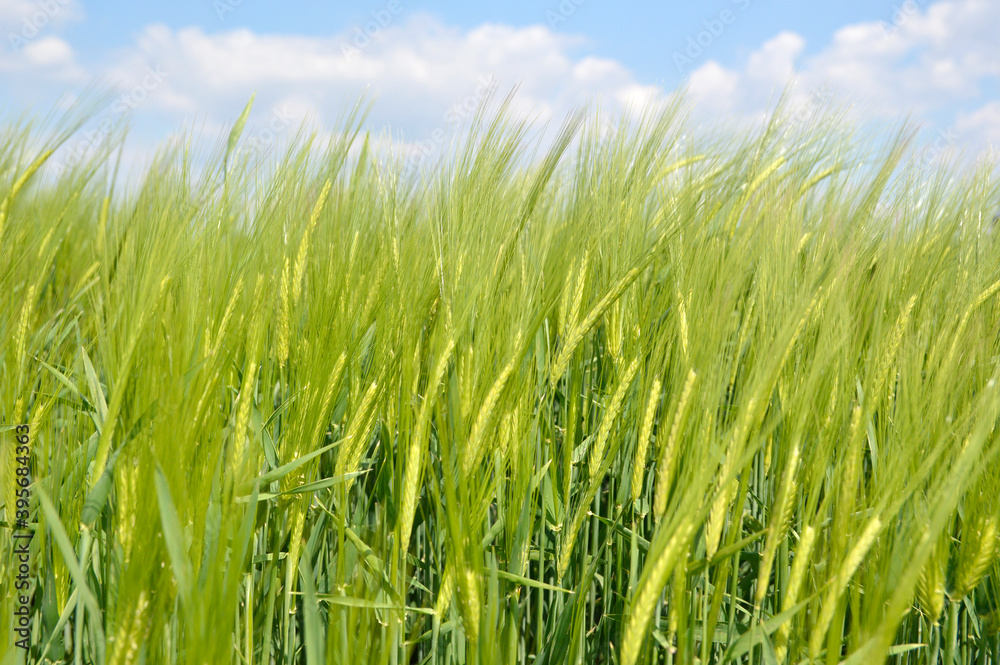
(417, 70)
(30, 49)
(49, 52)
(715, 86)
(922, 62)
(16, 14)
(984, 122)
(427, 77)
(774, 62)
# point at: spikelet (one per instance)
(849, 477)
(682, 322)
(744, 333)
(764, 175)
(564, 302)
(727, 482)
(815, 305)
(84, 278)
(990, 291)
(244, 399)
(466, 386)
(294, 548)
(417, 363)
(802, 242)
(832, 409)
(608, 419)
(839, 583)
(596, 460)
(395, 259)
(645, 433)
(71, 510)
(24, 323)
(577, 333)
(511, 430)
(44, 245)
(858, 553)
(470, 602)
(102, 228)
(284, 314)
(131, 630)
(210, 348)
(930, 585)
(653, 580)
(717, 515)
(18, 184)
(975, 557)
(613, 326)
(415, 451)
(678, 596)
(447, 590)
(892, 347)
(20, 346)
(957, 335)
(566, 548)
(356, 438)
(300, 257)
(331, 385)
(780, 514)
(486, 410)
(795, 581)
(668, 455)
(581, 282)
(243, 404)
(127, 509)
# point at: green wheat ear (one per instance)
(235, 133)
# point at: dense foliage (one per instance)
(636, 399)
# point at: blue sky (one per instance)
(194, 63)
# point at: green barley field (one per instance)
(647, 395)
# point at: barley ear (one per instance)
(642, 445)
(975, 558)
(795, 581)
(654, 578)
(608, 419)
(18, 185)
(667, 465)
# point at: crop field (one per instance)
(645, 395)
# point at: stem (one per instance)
(949, 650)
